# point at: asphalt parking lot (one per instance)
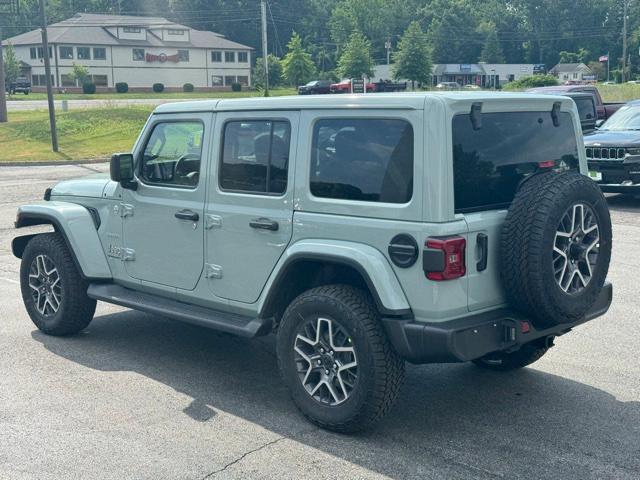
(142, 397)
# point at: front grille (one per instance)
(605, 153)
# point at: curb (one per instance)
(51, 163)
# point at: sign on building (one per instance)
(357, 85)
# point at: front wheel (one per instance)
(53, 291)
(336, 360)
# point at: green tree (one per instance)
(80, 73)
(492, 50)
(297, 65)
(356, 61)
(11, 65)
(412, 59)
(275, 71)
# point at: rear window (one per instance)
(369, 160)
(490, 163)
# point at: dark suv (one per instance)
(315, 87)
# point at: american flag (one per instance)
(603, 58)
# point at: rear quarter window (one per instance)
(489, 163)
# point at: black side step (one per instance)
(205, 317)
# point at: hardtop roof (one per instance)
(398, 101)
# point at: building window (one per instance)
(183, 55)
(67, 80)
(243, 79)
(216, 81)
(84, 53)
(138, 54)
(99, 53)
(229, 79)
(40, 80)
(243, 57)
(216, 56)
(100, 80)
(66, 53)
(33, 53)
(41, 52)
(575, 74)
(175, 32)
(131, 29)
(255, 157)
(230, 57)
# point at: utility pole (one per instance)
(625, 4)
(3, 98)
(47, 74)
(387, 45)
(263, 9)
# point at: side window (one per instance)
(255, 156)
(369, 160)
(172, 154)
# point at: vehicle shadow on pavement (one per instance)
(457, 418)
(624, 203)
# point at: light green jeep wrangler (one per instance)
(364, 231)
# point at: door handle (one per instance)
(264, 224)
(187, 215)
(482, 241)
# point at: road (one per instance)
(138, 397)
(23, 105)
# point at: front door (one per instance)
(249, 210)
(162, 219)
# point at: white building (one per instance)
(573, 72)
(140, 51)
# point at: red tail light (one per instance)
(443, 258)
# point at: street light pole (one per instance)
(263, 10)
(47, 74)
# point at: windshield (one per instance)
(627, 118)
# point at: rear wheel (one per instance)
(336, 360)
(53, 291)
(502, 361)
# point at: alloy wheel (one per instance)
(326, 360)
(576, 248)
(45, 285)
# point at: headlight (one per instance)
(633, 151)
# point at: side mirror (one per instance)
(121, 170)
(599, 123)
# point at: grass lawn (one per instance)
(82, 134)
(169, 95)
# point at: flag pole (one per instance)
(607, 66)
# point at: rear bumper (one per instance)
(472, 337)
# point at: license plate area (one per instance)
(595, 175)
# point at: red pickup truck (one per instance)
(604, 110)
(345, 87)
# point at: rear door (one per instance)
(489, 164)
(249, 210)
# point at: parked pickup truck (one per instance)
(604, 110)
(20, 85)
(345, 87)
(389, 86)
(427, 228)
(587, 111)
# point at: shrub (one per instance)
(236, 87)
(187, 87)
(532, 81)
(122, 87)
(158, 87)
(89, 88)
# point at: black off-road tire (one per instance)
(502, 361)
(380, 369)
(527, 245)
(76, 309)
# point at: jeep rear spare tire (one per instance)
(556, 247)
